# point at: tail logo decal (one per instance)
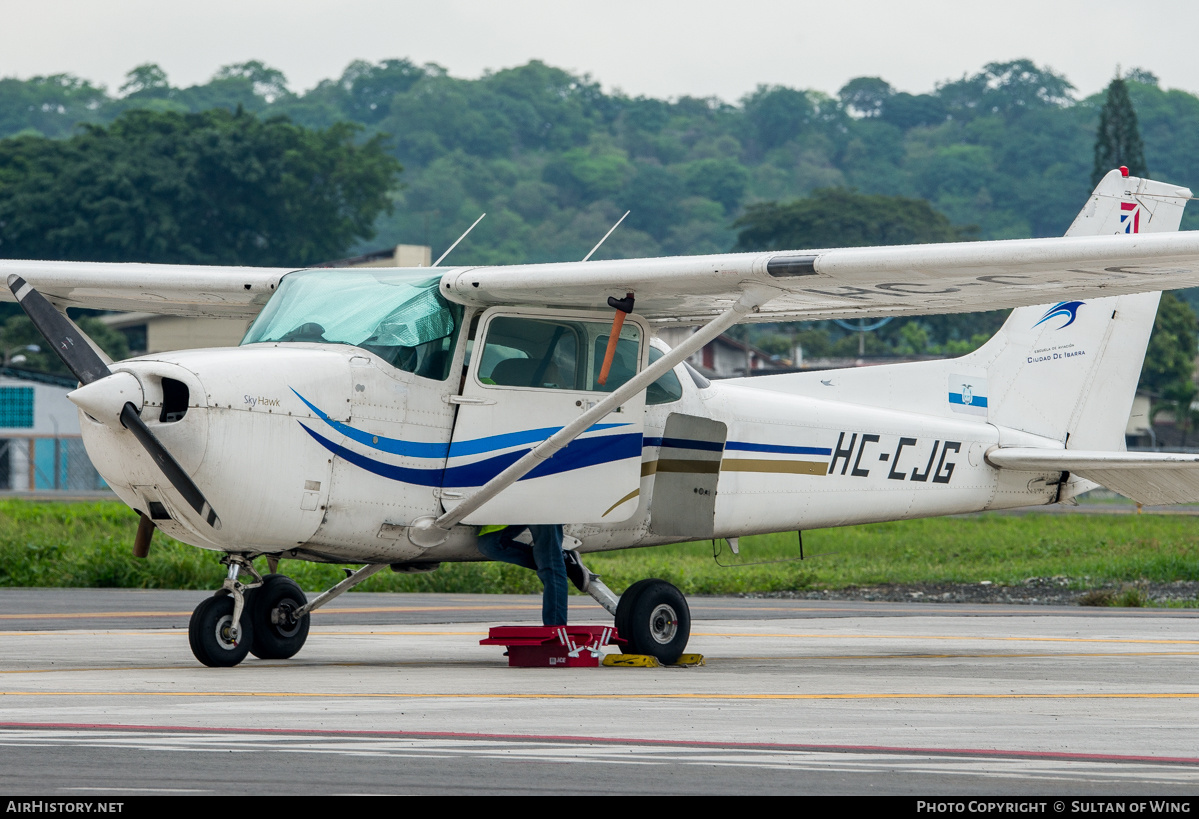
(1066, 309)
(1130, 217)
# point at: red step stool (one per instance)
(553, 646)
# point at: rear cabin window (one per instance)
(667, 388)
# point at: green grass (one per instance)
(88, 545)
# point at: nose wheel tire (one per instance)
(278, 634)
(210, 633)
(653, 617)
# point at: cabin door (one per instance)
(531, 372)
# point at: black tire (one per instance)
(208, 633)
(623, 607)
(653, 617)
(273, 601)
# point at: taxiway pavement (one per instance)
(99, 694)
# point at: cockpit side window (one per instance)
(522, 352)
(555, 353)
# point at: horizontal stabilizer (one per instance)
(1151, 478)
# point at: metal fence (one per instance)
(47, 464)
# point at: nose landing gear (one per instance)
(214, 638)
(264, 618)
(278, 631)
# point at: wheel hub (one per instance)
(663, 624)
(224, 633)
(283, 617)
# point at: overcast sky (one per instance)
(661, 48)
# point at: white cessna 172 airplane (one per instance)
(380, 416)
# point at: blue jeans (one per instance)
(544, 557)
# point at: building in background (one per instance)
(725, 356)
(40, 447)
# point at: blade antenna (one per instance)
(455, 244)
(606, 235)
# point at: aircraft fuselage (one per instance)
(327, 452)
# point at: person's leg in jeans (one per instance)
(499, 545)
(544, 557)
(551, 569)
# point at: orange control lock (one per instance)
(622, 307)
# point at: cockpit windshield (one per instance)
(395, 314)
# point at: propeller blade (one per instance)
(65, 339)
(141, 541)
(169, 466)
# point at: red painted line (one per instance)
(774, 746)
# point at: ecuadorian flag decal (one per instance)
(968, 394)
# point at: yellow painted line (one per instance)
(368, 610)
(391, 609)
(963, 655)
(943, 637)
(711, 661)
(730, 635)
(1133, 695)
(95, 614)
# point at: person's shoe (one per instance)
(576, 572)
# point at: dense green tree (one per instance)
(1118, 141)
(146, 81)
(907, 111)
(367, 90)
(1008, 88)
(50, 106)
(720, 180)
(865, 96)
(775, 115)
(216, 187)
(1169, 366)
(837, 217)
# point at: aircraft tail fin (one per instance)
(1068, 371)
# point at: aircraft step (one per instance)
(553, 646)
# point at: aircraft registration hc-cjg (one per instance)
(380, 416)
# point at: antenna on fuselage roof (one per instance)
(455, 244)
(606, 235)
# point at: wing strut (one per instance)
(427, 532)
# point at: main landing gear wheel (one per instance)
(278, 633)
(652, 616)
(210, 633)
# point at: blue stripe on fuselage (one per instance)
(417, 449)
(577, 454)
(744, 446)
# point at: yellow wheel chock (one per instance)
(647, 661)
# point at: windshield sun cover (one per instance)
(395, 313)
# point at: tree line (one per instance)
(243, 170)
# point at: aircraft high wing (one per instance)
(794, 285)
(379, 416)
